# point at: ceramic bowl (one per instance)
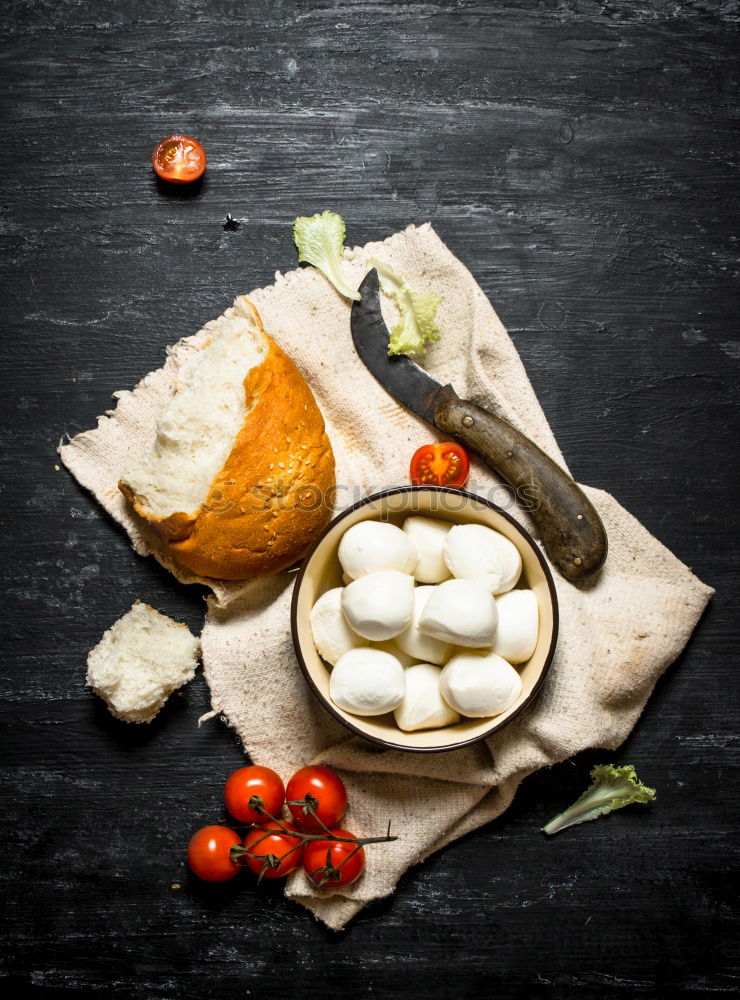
(321, 571)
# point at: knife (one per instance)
(571, 530)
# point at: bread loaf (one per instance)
(239, 479)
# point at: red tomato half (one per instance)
(333, 862)
(323, 790)
(274, 854)
(179, 159)
(440, 464)
(209, 853)
(249, 784)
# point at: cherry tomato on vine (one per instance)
(323, 790)
(275, 854)
(179, 159)
(209, 853)
(440, 464)
(249, 783)
(333, 862)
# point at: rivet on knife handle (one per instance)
(571, 530)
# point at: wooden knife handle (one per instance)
(571, 530)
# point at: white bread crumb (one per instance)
(140, 661)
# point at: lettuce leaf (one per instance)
(612, 788)
(320, 241)
(416, 327)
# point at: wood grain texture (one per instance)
(581, 158)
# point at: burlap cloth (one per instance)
(617, 634)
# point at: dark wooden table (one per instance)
(581, 159)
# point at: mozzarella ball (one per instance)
(474, 552)
(367, 682)
(460, 612)
(423, 707)
(479, 685)
(428, 536)
(423, 648)
(332, 636)
(518, 623)
(380, 605)
(371, 546)
(390, 646)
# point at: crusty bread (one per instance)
(239, 480)
(140, 661)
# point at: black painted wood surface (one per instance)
(581, 159)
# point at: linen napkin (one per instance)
(618, 633)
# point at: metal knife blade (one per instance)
(399, 375)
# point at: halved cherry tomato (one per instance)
(443, 463)
(274, 854)
(334, 862)
(179, 159)
(247, 785)
(323, 792)
(209, 853)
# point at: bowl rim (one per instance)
(381, 495)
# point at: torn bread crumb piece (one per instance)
(140, 661)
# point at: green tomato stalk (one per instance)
(612, 788)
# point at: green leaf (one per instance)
(416, 326)
(612, 788)
(320, 241)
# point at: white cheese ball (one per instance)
(518, 624)
(428, 535)
(332, 636)
(371, 546)
(380, 605)
(423, 648)
(479, 685)
(423, 707)
(460, 612)
(390, 646)
(367, 682)
(475, 552)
